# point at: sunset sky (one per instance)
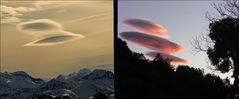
(48, 38)
(183, 20)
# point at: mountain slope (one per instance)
(82, 84)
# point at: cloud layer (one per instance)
(47, 32)
(13, 13)
(152, 42)
(172, 59)
(146, 26)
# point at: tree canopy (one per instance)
(139, 78)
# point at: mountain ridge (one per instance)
(20, 84)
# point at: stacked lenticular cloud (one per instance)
(146, 26)
(46, 32)
(153, 36)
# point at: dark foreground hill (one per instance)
(139, 78)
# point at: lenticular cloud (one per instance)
(39, 25)
(153, 36)
(172, 59)
(54, 39)
(46, 32)
(152, 42)
(146, 26)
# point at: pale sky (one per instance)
(182, 19)
(91, 20)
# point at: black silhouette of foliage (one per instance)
(139, 78)
(48, 97)
(224, 54)
(196, 85)
(222, 41)
(100, 95)
(226, 9)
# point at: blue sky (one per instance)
(183, 20)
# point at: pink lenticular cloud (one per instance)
(146, 26)
(152, 42)
(172, 59)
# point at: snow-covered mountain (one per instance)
(99, 74)
(18, 84)
(61, 93)
(58, 84)
(82, 84)
(96, 81)
(78, 76)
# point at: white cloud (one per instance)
(15, 11)
(25, 9)
(10, 20)
(10, 11)
(41, 4)
(11, 14)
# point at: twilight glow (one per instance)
(146, 26)
(153, 36)
(152, 42)
(172, 59)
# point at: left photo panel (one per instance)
(57, 49)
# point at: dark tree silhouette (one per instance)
(100, 95)
(199, 86)
(222, 40)
(225, 52)
(139, 78)
(224, 55)
(226, 9)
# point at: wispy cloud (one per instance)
(15, 11)
(12, 14)
(10, 20)
(41, 4)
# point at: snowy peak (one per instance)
(24, 75)
(84, 72)
(19, 79)
(78, 76)
(61, 93)
(20, 73)
(58, 84)
(61, 77)
(99, 74)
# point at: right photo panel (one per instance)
(177, 49)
